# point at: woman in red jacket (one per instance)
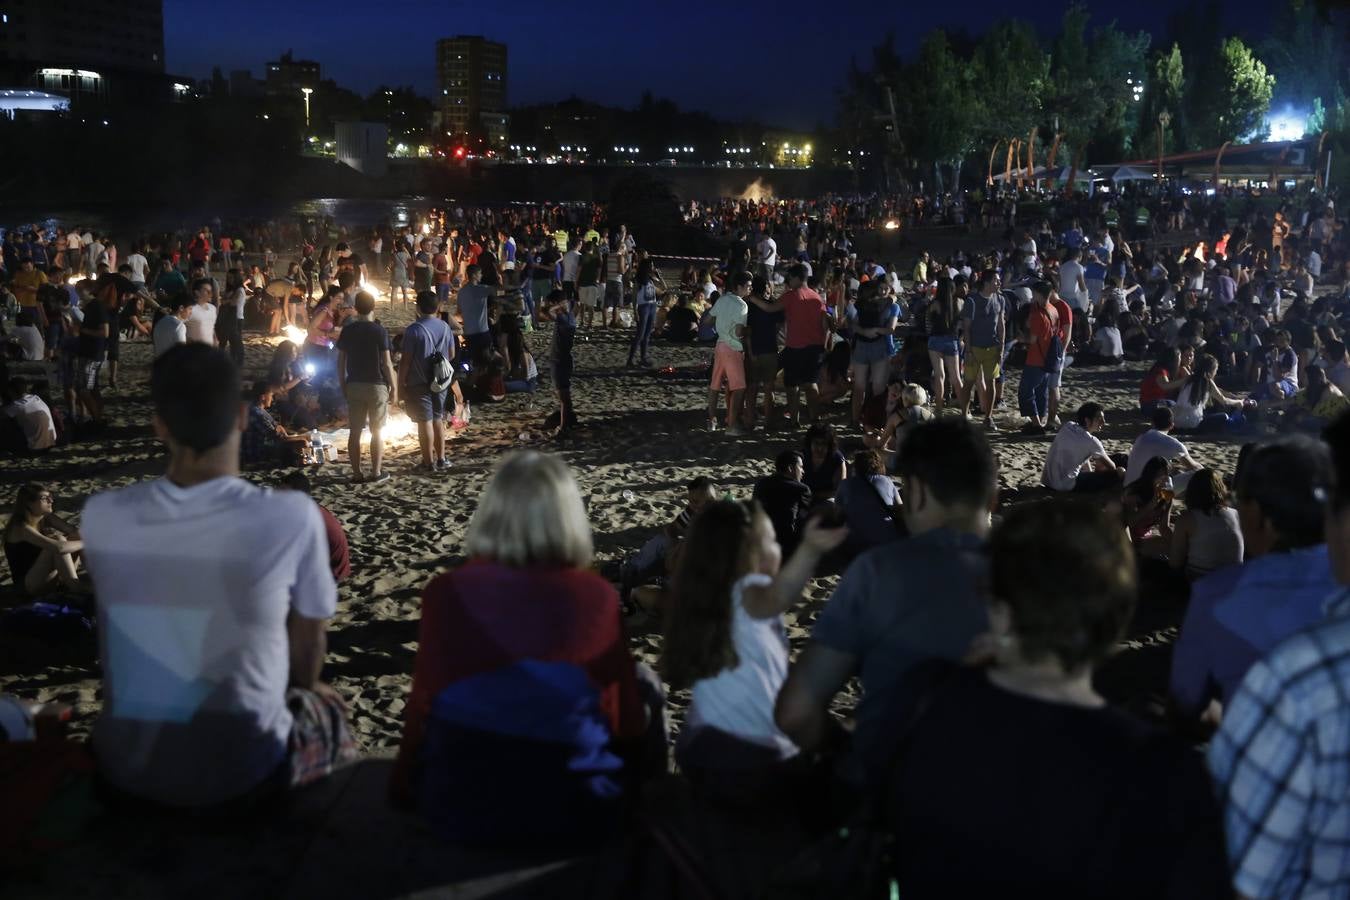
(526, 593)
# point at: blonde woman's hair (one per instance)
(914, 395)
(531, 514)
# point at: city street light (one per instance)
(307, 91)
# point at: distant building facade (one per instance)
(286, 77)
(472, 73)
(84, 50)
(364, 147)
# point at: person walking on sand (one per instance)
(366, 377)
(730, 313)
(422, 390)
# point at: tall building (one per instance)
(286, 76)
(472, 71)
(87, 50)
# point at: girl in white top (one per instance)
(1207, 536)
(725, 639)
(1201, 393)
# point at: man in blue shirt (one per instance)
(473, 300)
(907, 601)
(1237, 614)
(428, 335)
(1281, 760)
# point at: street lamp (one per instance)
(1163, 118)
(307, 91)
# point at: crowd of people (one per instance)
(968, 624)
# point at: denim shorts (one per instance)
(945, 344)
(867, 352)
(423, 405)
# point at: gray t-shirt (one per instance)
(473, 306)
(982, 316)
(900, 604)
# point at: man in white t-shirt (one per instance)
(1077, 461)
(571, 265)
(1158, 441)
(201, 324)
(139, 265)
(768, 257)
(171, 329)
(1072, 282)
(213, 597)
(33, 415)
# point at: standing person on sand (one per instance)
(426, 406)
(366, 377)
(1043, 348)
(563, 314)
(808, 326)
(730, 313)
(645, 300)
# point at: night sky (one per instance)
(780, 62)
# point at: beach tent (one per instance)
(1129, 173)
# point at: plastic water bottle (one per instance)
(628, 496)
(524, 437)
(317, 444)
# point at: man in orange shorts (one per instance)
(729, 314)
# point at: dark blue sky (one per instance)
(777, 61)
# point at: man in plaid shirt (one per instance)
(1281, 760)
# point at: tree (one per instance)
(1092, 84)
(1307, 56)
(1010, 73)
(938, 116)
(1235, 103)
(1165, 91)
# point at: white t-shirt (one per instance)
(1070, 271)
(168, 332)
(139, 266)
(728, 312)
(194, 587)
(1148, 445)
(571, 264)
(768, 252)
(201, 326)
(35, 418)
(1108, 342)
(740, 700)
(1072, 447)
(30, 342)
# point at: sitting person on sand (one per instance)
(265, 442)
(339, 554)
(871, 505)
(785, 499)
(681, 325)
(1077, 461)
(1158, 441)
(211, 654)
(1316, 406)
(725, 639)
(525, 594)
(42, 548)
(1083, 821)
(1238, 614)
(1146, 505)
(26, 423)
(1198, 397)
(904, 602)
(655, 557)
(910, 410)
(1207, 536)
(824, 464)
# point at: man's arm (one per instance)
(387, 369)
(308, 641)
(802, 710)
(342, 370)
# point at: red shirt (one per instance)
(1150, 392)
(804, 312)
(1043, 324)
(339, 557)
(484, 615)
(1065, 321)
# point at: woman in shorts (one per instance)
(944, 350)
(873, 345)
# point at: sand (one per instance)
(642, 438)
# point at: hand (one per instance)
(821, 539)
(328, 692)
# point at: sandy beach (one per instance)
(642, 438)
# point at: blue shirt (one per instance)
(1281, 766)
(472, 301)
(422, 338)
(1237, 614)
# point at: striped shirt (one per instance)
(1281, 764)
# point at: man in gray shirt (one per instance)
(907, 601)
(473, 299)
(984, 326)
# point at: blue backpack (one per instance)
(520, 756)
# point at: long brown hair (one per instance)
(27, 495)
(698, 640)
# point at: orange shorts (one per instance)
(728, 364)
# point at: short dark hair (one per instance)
(365, 303)
(201, 283)
(985, 278)
(295, 481)
(1087, 413)
(1163, 418)
(700, 483)
(471, 270)
(195, 389)
(786, 460)
(428, 303)
(346, 278)
(797, 270)
(1290, 480)
(1075, 616)
(740, 279)
(1043, 288)
(952, 459)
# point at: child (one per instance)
(563, 313)
(659, 554)
(910, 410)
(725, 638)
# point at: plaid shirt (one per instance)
(1281, 763)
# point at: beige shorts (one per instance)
(367, 403)
(591, 295)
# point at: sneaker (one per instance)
(357, 478)
(443, 465)
(990, 427)
(376, 479)
(425, 468)
(712, 424)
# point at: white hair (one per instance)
(530, 514)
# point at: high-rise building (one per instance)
(84, 49)
(472, 72)
(286, 77)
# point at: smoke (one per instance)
(757, 192)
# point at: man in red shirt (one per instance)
(1044, 347)
(808, 326)
(1065, 330)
